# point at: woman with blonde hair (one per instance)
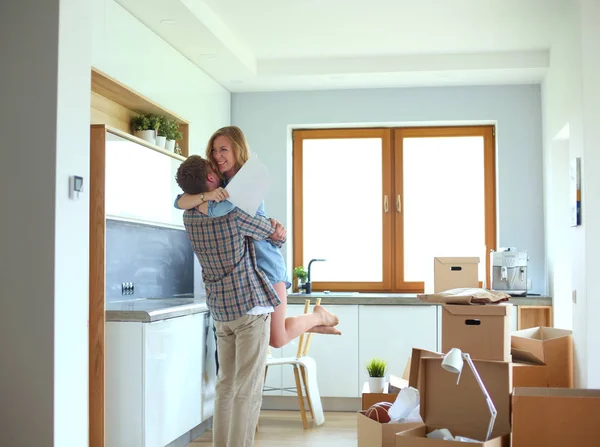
(227, 150)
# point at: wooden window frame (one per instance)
(392, 222)
(387, 227)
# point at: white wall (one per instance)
(571, 97)
(44, 277)
(127, 50)
(265, 118)
(590, 39)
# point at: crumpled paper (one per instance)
(444, 434)
(406, 407)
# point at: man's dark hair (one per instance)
(191, 175)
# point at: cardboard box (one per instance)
(482, 331)
(459, 408)
(546, 346)
(452, 273)
(528, 375)
(416, 437)
(555, 417)
(374, 434)
(390, 392)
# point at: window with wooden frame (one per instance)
(379, 204)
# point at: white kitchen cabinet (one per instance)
(390, 333)
(336, 356)
(153, 380)
(140, 183)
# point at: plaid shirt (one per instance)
(234, 284)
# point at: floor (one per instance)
(277, 427)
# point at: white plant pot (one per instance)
(170, 145)
(161, 141)
(146, 135)
(376, 384)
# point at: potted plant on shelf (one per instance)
(301, 276)
(173, 134)
(376, 369)
(145, 126)
(161, 132)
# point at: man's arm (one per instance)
(188, 201)
(256, 227)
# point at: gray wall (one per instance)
(266, 118)
(44, 123)
(158, 260)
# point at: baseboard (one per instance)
(350, 404)
(194, 433)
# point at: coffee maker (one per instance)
(509, 271)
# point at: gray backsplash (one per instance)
(159, 261)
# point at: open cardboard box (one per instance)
(375, 434)
(461, 408)
(481, 330)
(390, 392)
(555, 417)
(546, 346)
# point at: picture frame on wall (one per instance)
(575, 191)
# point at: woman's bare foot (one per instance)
(327, 318)
(325, 330)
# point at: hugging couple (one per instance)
(246, 284)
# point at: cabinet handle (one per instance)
(398, 204)
(385, 204)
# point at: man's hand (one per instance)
(280, 231)
(217, 195)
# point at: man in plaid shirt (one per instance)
(240, 299)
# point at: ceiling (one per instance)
(266, 45)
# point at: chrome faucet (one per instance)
(307, 286)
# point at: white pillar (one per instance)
(45, 48)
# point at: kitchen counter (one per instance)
(396, 299)
(147, 310)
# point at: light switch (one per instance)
(75, 186)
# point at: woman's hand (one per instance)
(217, 195)
(280, 231)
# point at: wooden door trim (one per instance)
(97, 285)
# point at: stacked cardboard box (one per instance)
(506, 363)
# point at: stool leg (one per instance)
(303, 371)
(300, 397)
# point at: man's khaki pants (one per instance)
(242, 347)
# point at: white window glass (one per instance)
(342, 208)
(444, 205)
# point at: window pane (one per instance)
(444, 208)
(342, 208)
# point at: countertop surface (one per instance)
(147, 310)
(397, 299)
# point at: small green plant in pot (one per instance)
(173, 134)
(300, 274)
(376, 369)
(161, 132)
(145, 126)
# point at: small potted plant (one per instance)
(301, 275)
(161, 132)
(376, 369)
(145, 126)
(173, 134)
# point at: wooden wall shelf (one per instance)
(114, 104)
